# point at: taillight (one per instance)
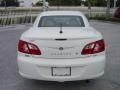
(28, 48)
(94, 47)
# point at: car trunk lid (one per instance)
(69, 44)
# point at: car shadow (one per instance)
(52, 85)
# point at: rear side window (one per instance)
(64, 21)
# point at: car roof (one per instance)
(55, 13)
(51, 13)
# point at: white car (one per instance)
(61, 46)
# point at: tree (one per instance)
(8, 3)
(118, 3)
(111, 3)
(65, 2)
(99, 3)
(39, 3)
(90, 2)
(108, 9)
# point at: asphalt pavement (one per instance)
(11, 80)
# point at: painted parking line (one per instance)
(14, 28)
(11, 30)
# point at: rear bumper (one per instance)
(81, 68)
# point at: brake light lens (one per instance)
(94, 47)
(28, 48)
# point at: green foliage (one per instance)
(118, 3)
(112, 3)
(102, 17)
(96, 2)
(38, 4)
(101, 3)
(78, 2)
(8, 3)
(65, 2)
(16, 20)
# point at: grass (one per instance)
(102, 17)
(16, 20)
(111, 19)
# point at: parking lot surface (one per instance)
(11, 80)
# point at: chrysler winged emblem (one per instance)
(61, 48)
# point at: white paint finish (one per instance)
(82, 66)
(87, 68)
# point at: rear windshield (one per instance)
(64, 21)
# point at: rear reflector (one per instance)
(94, 47)
(28, 48)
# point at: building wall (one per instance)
(27, 3)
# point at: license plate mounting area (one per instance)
(61, 71)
